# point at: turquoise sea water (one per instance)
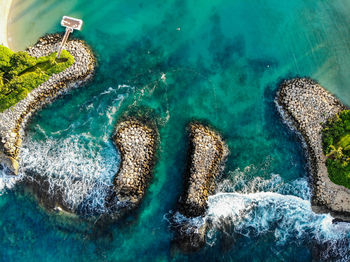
(217, 61)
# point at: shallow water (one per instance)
(222, 61)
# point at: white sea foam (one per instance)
(256, 207)
(113, 90)
(288, 218)
(75, 166)
(177, 220)
(243, 182)
(111, 111)
(81, 166)
(7, 181)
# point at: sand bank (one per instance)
(4, 13)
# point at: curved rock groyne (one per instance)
(306, 106)
(207, 153)
(14, 119)
(137, 142)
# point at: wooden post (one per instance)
(64, 40)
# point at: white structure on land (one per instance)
(70, 24)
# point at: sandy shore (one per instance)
(4, 13)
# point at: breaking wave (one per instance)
(257, 207)
(7, 181)
(241, 181)
(80, 169)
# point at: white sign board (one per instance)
(71, 22)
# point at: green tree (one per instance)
(336, 146)
(336, 152)
(20, 73)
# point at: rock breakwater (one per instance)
(306, 106)
(207, 153)
(13, 120)
(137, 142)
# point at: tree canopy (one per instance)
(20, 73)
(336, 146)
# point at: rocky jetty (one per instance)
(13, 120)
(306, 106)
(137, 142)
(207, 153)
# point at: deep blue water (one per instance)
(222, 62)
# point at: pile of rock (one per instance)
(207, 154)
(306, 106)
(137, 142)
(14, 119)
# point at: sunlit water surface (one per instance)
(218, 61)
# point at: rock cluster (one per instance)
(137, 142)
(207, 154)
(306, 106)
(14, 119)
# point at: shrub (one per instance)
(5, 55)
(20, 73)
(336, 146)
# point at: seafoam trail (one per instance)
(271, 206)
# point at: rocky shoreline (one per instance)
(137, 142)
(13, 120)
(306, 106)
(207, 154)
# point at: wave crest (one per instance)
(241, 181)
(77, 168)
(258, 207)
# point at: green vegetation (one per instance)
(20, 73)
(336, 145)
